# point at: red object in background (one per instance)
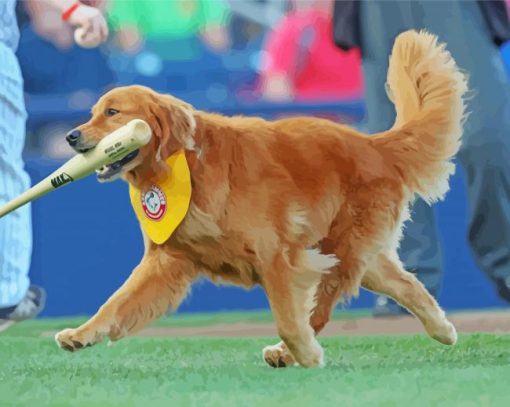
(302, 47)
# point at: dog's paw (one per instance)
(313, 357)
(72, 340)
(445, 333)
(278, 356)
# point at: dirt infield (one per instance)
(494, 322)
(467, 322)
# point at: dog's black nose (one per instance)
(73, 136)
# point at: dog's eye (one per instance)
(110, 112)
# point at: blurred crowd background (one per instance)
(213, 53)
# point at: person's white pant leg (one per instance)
(15, 228)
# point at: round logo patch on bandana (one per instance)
(154, 203)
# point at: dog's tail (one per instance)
(427, 89)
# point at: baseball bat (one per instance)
(113, 147)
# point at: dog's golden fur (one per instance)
(309, 209)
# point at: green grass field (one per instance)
(371, 371)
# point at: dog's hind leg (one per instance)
(389, 277)
(343, 279)
(160, 281)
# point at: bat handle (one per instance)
(27, 196)
(76, 168)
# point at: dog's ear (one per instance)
(173, 125)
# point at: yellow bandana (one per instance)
(163, 207)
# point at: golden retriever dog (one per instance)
(304, 207)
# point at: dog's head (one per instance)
(171, 120)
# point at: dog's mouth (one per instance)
(114, 170)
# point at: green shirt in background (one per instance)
(167, 19)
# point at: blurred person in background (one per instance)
(301, 63)
(18, 299)
(173, 29)
(249, 22)
(50, 61)
(472, 30)
(53, 66)
(252, 18)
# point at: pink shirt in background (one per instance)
(302, 47)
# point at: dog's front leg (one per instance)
(158, 283)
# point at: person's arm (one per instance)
(88, 17)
